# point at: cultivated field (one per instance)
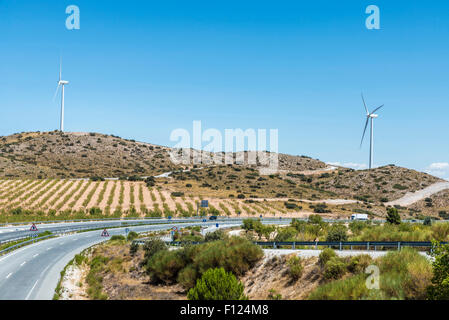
(124, 198)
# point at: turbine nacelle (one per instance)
(62, 82)
(372, 115)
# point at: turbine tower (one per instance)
(369, 118)
(61, 83)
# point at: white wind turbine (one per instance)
(370, 117)
(61, 83)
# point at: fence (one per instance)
(368, 245)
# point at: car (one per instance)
(213, 218)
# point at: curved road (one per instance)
(32, 272)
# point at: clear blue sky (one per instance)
(140, 69)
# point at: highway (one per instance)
(32, 272)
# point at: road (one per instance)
(412, 197)
(32, 272)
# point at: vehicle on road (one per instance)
(359, 217)
(213, 218)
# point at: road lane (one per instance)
(32, 272)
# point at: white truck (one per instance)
(359, 216)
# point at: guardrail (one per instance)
(24, 243)
(369, 245)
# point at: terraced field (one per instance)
(123, 198)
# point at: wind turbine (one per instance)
(61, 83)
(370, 117)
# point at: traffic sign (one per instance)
(169, 217)
(127, 230)
(175, 229)
(105, 233)
(204, 203)
(204, 220)
(33, 227)
(216, 225)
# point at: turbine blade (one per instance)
(60, 68)
(364, 131)
(363, 99)
(377, 108)
(56, 92)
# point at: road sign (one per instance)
(105, 233)
(204, 220)
(216, 225)
(35, 235)
(169, 217)
(127, 230)
(175, 229)
(33, 227)
(204, 203)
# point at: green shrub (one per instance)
(214, 236)
(217, 284)
(325, 256)
(353, 288)
(132, 235)
(164, 266)
(295, 268)
(118, 237)
(337, 233)
(152, 247)
(134, 247)
(335, 268)
(439, 289)
(358, 264)
(393, 216)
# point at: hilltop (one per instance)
(40, 167)
(82, 155)
(79, 155)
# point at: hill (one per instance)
(79, 155)
(38, 172)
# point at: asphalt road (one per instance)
(32, 272)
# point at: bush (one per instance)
(439, 289)
(337, 233)
(132, 235)
(214, 236)
(164, 266)
(335, 268)
(241, 196)
(152, 247)
(118, 237)
(325, 256)
(295, 268)
(134, 247)
(393, 216)
(217, 284)
(358, 264)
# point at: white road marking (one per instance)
(49, 248)
(29, 293)
(8, 275)
(35, 255)
(23, 263)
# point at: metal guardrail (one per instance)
(315, 244)
(24, 243)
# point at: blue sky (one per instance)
(140, 69)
